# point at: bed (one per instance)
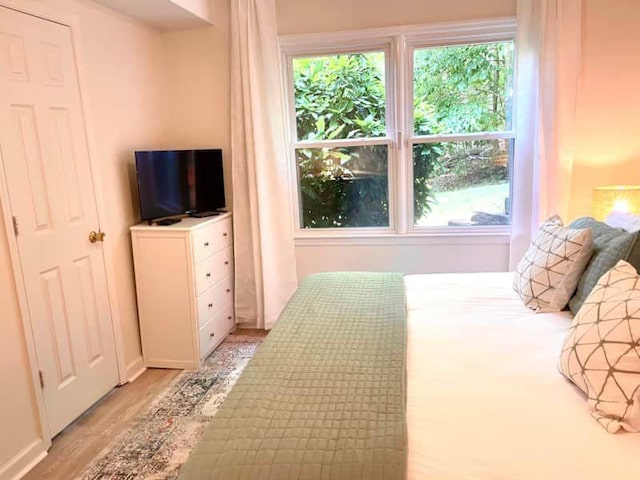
(484, 399)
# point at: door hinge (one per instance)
(15, 225)
(41, 376)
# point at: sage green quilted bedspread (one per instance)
(324, 395)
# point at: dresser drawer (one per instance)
(213, 269)
(214, 299)
(214, 331)
(211, 239)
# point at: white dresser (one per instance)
(184, 282)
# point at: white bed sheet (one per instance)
(484, 397)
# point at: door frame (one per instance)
(37, 9)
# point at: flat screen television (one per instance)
(175, 182)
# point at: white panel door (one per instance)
(48, 179)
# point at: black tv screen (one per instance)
(174, 182)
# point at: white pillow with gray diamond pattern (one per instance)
(549, 272)
(601, 353)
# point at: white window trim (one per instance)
(310, 48)
(395, 42)
(406, 239)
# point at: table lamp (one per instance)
(615, 198)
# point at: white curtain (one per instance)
(548, 69)
(263, 229)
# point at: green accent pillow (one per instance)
(610, 246)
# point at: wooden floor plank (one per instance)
(77, 446)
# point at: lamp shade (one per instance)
(616, 198)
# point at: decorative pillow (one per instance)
(626, 221)
(547, 275)
(609, 245)
(601, 354)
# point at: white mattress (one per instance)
(484, 396)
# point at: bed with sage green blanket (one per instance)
(324, 396)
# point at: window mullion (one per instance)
(390, 121)
(401, 198)
(406, 100)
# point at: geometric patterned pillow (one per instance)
(601, 353)
(549, 272)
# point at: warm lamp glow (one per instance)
(621, 205)
(619, 198)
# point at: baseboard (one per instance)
(174, 364)
(249, 331)
(247, 326)
(25, 460)
(135, 369)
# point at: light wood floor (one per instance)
(77, 445)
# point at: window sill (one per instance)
(442, 236)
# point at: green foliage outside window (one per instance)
(344, 187)
(342, 97)
(459, 89)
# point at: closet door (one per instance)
(47, 176)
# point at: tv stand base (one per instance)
(208, 213)
(167, 221)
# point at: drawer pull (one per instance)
(211, 335)
(226, 262)
(210, 305)
(224, 234)
(228, 290)
(229, 317)
(208, 275)
(206, 244)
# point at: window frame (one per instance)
(327, 47)
(399, 45)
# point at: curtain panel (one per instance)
(548, 70)
(265, 263)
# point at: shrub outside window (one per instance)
(341, 98)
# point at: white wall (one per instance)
(411, 255)
(197, 75)
(123, 73)
(608, 129)
(305, 16)
(124, 67)
(20, 435)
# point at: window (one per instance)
(342, 150)
(462, 138)
(352, 99)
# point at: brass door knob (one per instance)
(97, 236)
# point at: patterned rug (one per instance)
(159, 441)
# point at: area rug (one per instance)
(160, 440)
